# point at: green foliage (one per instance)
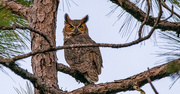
(7, 18)
(173, 67)
(12, 42)
(175, 2)
(171, 45)
(29, 89)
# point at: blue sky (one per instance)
(118, 63)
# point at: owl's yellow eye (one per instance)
(80, 27)
(71, 27)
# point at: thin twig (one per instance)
(15, 26)
(79, 46)
(165, 6)
(156, 22)
(145, 20)
(172, 11)
(149, 80)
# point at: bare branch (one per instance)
(110, 87)
(74, 73)
(37, 82)
(16, 8)
(87, 45)
(23, 28)
(140, 15)
(156, 73)
(79, 46)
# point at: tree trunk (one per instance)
(43, 19)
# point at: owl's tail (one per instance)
(91, 77)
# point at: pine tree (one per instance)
(34, 22)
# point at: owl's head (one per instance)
(74, 27)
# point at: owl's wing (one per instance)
(96, 59)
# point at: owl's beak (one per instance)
(76, 30)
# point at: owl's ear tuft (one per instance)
(85, 19)
(67, 19)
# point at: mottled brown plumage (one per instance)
(87, 60)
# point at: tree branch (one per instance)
(127, 84)
(36, 81)
(110, 87)
(23, 28)
(140, 15)
(79, 46)
(16, 8)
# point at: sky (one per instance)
(118, 63)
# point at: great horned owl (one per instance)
(86, 60)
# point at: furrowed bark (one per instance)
(43, 19)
